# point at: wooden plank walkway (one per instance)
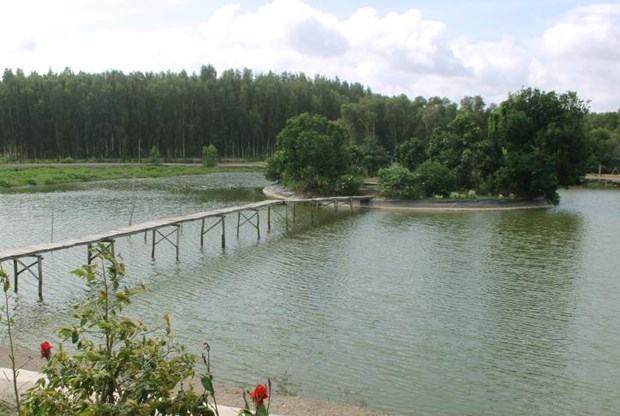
(34, 266)
(127, 231)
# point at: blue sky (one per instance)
(424, 47)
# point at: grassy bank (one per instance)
(21, 175)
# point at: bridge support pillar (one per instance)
(20, 267)
(221, 220)
(159, 236)
(253, 219)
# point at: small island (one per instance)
(533, 143)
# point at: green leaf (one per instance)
(262, 411)
(207, 383)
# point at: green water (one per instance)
(408, 313)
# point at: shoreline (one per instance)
(445, 205)
(230, 397)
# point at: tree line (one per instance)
(113, 115)
(117, 115)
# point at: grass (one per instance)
(21, 176)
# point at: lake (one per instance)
(512, 312)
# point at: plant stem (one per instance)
(14, 368)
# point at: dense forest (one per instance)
(113, 115)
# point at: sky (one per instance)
(425, 48)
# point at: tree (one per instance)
(312, 154)
(371, 156)
(411, 153)
(541, 142)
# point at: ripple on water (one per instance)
(441, 313)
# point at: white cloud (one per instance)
(580, 52)
(391, 52)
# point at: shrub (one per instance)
(434, 178)
(155, 156)
(209, 156)
(398, 182)
(119, 367)
(348, 184)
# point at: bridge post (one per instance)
(15, 275)
(153, 245)
(269, 218)
(223, 231)
(202, 234)
(286, 214)
(40, 270)
(238, 222)
(179, 231)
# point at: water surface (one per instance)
(409, 313)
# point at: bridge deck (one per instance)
(38, 249)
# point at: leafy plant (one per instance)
(398, 182)
(118, 367)
(433, 178)
(8, 323)
(209, 156)
(155, 156)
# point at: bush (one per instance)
(155, 156)
(433, 178)
(348, 184)
(275, 166)
(397, 181)
(119, 367)
(209, 156)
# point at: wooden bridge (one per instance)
(30, 259)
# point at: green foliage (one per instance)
(275, 166)
(434, 178)
(7, 321)
(543, 142)
(116, 115)
(118, 367)
(312, 154)
(348, 184)
(397, 181)
(471, 194)
(155, 156)
(605, 145)
(411, 153)
(209, 156)
(371, 156)
(430, 179)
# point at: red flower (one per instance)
(259, 394)
(46, 350)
